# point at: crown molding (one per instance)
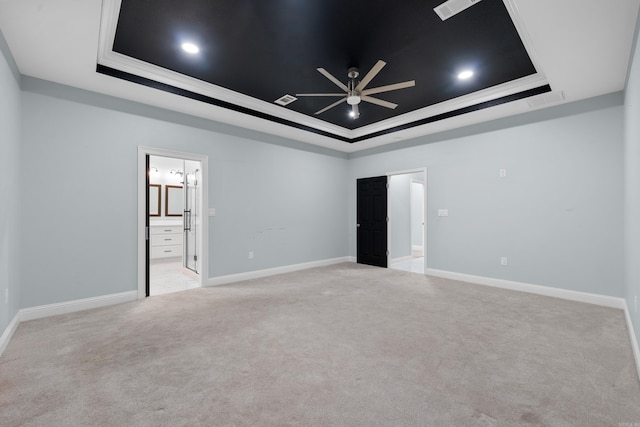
(284, 119)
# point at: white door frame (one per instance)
(424, 236)
(203, 245)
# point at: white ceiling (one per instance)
(582, 48)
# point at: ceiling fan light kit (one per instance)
(355, 92)
(353, 99)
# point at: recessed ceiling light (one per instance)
(190, 48)
(466, 74)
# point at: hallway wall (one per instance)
(9, 186)
(632, 188)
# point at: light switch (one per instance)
(212, 212)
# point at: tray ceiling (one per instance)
(251, 53)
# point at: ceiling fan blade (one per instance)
(389, 87)
(319, 94)
(331, 106)
(370, 75)
(379, 102)
(333, 79)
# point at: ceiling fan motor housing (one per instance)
(356, 92)
(353, 97)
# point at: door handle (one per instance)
(358, 225)
(187, 220)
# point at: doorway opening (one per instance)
(391, 224)
(407, 221)
(174, 221)
(172, 233)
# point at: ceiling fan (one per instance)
(355, 92)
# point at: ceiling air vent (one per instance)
(452, 7)
(546, 99)
(285, 100)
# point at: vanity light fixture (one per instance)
(176, 172)
(154, 171)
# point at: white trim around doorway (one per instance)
(203, 246)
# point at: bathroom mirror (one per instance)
(154, 199)
(173, 198)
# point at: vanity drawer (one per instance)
(172, 229)
(166, 239)
(166, 251)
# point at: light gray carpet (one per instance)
(345, 345)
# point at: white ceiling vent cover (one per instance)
(452, 7)
(546, 99)
(286, 99)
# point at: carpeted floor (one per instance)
(345, 345)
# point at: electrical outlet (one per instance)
(503, 173)
(250, 254)
(443, 212)
(503, 261)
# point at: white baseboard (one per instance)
(41, 311)
(596, 299)
(232, 278)
(632, 337)
(8, 333)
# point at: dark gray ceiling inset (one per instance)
(253, 53)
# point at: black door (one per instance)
(372, 221)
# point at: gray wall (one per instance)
(557, 215)
(632, 188)
(9, 193)
(79, 198)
